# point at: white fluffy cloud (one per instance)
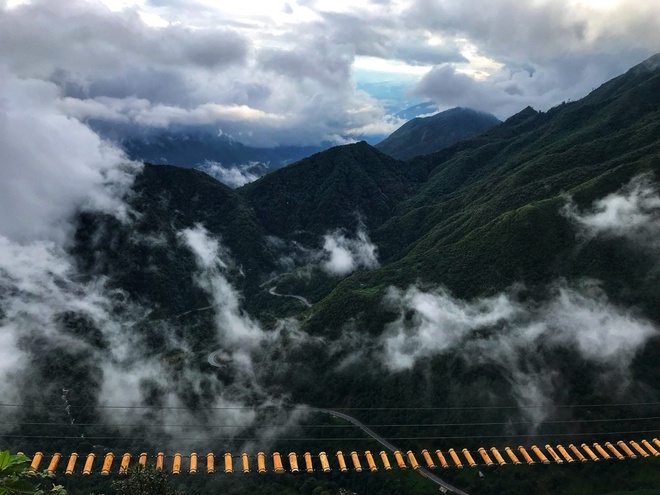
(238, 332)
(236, 175)
(344, 255)
(575, 317)
(533, 53)
(440, 322)
(52, 165)
(39, 284)
(275, 75)
(340, 255)
(633, 212)
(510, 335)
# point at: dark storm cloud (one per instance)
(550, 51)
(166, 85)
(111, 66)
(417, 52)
(377, 35)
(320, 60)
(512, 88)
(87, 40)
(450, 88)
(444, 83)
(282, 73)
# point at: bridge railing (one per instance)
(111, 463)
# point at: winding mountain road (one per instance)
(444, 486)
(272, 292)
(389, 446)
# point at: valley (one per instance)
(500, 291)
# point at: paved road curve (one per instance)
(389, 446)
(300, 298)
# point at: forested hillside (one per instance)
(502, 291)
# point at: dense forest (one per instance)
(498, 292)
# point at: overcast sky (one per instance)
(273, 72)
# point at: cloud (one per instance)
(530, 54)
(55, 167)
(511, 88)
(439, 323)
(601, 332)
(52, 165)
(344, 255)
(376, 34)
(111, 66)
(41, 289)
(254, 354)
(506, 30)
(318, 59)
(237, 331)
(284, 74)
(85, 39)
(143, 112)
(502, 24)
(633, 213)
(236, 175)
(30, 296)
(514, 336)
(142, 388)
(339, 256)
(578, 317)
(11, 366)
(165, 404)
(383, 127)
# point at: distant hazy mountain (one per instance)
(194, 150)
(424, 135)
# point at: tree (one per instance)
(145, 480)
(16, 477)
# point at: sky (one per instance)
(305, 72)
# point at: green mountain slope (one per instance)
(483, 217)
(424, 135)
(340, 187)
(489, 213)
(148, 259)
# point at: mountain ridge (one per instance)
(424, 135)
(492, 305)
(344, 186)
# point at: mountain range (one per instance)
(499, 281)
(236, 164)
(196, 149)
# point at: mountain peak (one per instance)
(520, 117)
(425, 135)
(340, 187)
